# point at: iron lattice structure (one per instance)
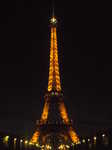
(54, 127)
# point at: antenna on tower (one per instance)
(53, 19)
(53, 8)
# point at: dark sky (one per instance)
(84, 56)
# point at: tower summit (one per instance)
(54, 127)
(53, 21)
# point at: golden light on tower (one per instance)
(45, 113)
(35, 137)
(53, 20)
(54, 76)
(54, 91)
(73, 136)
(63, 112)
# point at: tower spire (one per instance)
(53, 10)
(54, 75)
(53, 14)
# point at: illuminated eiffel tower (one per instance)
(54, 129)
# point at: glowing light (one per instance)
(94, 138)
(35, 137)
(63, 113)
(48, 147)
(53, 20)
(54, 77)
(83, 141)
(15, 139)
(72, 144)
(26, 142)
(6, 139)
(42, 120)
(37, 145)
(73, 136)
(42, 146)
(78, 142)
(62, 146)
(54, 86)
(88, 140)
(67, 146)
(103, 135)
(21, 140)
(45, 112)
(30, 143)
(64, 116)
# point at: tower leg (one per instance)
(35, 137)
(73, 136)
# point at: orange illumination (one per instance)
(73, 136)
(63, 113)
(54, 86)
(35, 137)
(43, 120)
(54, 76)
(45, 112)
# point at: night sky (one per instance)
(84, 56)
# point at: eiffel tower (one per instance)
(54, 129)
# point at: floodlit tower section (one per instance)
(54, 76)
